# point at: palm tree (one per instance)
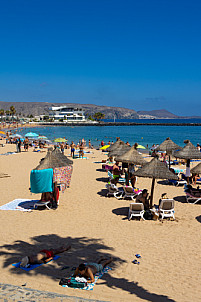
(12, 111)
(99, 116)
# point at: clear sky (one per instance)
(143, 54)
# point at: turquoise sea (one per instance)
(141, 134)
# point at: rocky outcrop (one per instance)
(38, 108)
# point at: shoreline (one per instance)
(102, 124)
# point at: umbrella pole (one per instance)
(152, 193)
(169, 162)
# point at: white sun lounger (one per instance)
(191, 198)
(129, 193)
(166, 208)
(114, 191)
(136, 210)
(42, 204)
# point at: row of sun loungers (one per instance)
(166, 209)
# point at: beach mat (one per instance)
(32, 266)
(25, 205)
(97, 276)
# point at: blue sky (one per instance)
(142, 54)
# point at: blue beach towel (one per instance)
(32, 266)
(97, 276)
(41, 181)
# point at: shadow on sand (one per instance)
(123, 211)
(83, 250)
(181, 199)
(103, 192)
(198, 218)
(103, 179)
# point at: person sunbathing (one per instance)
(89, 269)
(143, 198)
(43, 256)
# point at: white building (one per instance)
(70, 114)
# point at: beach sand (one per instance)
(97, 226)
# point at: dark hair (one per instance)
(144, 191)
(82, 267)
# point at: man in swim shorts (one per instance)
(89, 269)
(43, 256)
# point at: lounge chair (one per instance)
(166, 208)
(177, 183)
(136, 210)
(193, 197)
(39, 204)
(129, 193)
(114, 191)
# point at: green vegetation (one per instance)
(99, 116)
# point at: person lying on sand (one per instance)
(88, 270)
(43, 256)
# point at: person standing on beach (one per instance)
(19, 145)
(62, 148)
(89, 144)
(26, 144)
(72, 147)
(102, 143)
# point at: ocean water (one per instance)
(141, 134)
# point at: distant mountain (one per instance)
(163, 113)
(38, 108)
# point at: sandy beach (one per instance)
(97, 226)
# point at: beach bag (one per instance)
(71, 282)
(147, 215)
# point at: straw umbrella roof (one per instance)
(188, 152)
(115, 145)
(51, 162)
(132, 156)
(168, 145)
(121, 149)
(155, 169)
(196, 169)
(57, 153)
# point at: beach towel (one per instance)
(90, 286)
(32, 266)
(41, 181)
(25, 205)
(8, 153)
(62, 176)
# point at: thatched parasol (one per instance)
(196, 169)
(168, 145)
(60, 155)
(115, 145)
(121, 149)
(51, 161)
(188, 152)
(155, 169)
(132, 156)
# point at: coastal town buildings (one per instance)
(71, 114)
